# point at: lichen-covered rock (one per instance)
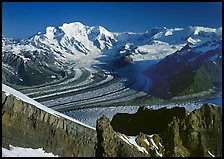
(173, 141)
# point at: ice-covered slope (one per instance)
(8, 90)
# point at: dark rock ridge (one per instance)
(146, 120)
(25, 125)
(183, 133)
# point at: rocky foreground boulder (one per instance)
(182, 133)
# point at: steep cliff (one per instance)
(26, 125)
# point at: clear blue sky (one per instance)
(24, 19)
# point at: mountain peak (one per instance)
(50, 32)
(75, 28)
(102, 30)
(73, 24)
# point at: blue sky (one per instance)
(24, 19)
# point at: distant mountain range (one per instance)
(186, 56)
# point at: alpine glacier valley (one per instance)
(168, 78)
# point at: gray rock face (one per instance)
(110, 144)
(25, 125)
(183, 133)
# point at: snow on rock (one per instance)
(199, 29)
(53, 76)
(193, 41)
(131, 141)
(8, 90)
(50, 31)
(25, 152)
(146, 141)
(211, 154)
(153, 143)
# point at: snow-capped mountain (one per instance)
(58, 49)
(78, 39)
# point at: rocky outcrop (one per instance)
(25, 125)
(152, 144)
(198, 133)
(110, 144)
(183, 133)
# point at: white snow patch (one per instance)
(151, 135)
(193, 41)
(153, 143)
(211, 154)
(25, 152)
(147, 142)
(159, 154)
(169, 32)
(131, 141)
(53, 76)
(160, 144)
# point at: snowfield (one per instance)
(25, 152)
(131, 141)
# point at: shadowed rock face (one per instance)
(110, 144)
(25, 125)
(145, 120)
(183, 133)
